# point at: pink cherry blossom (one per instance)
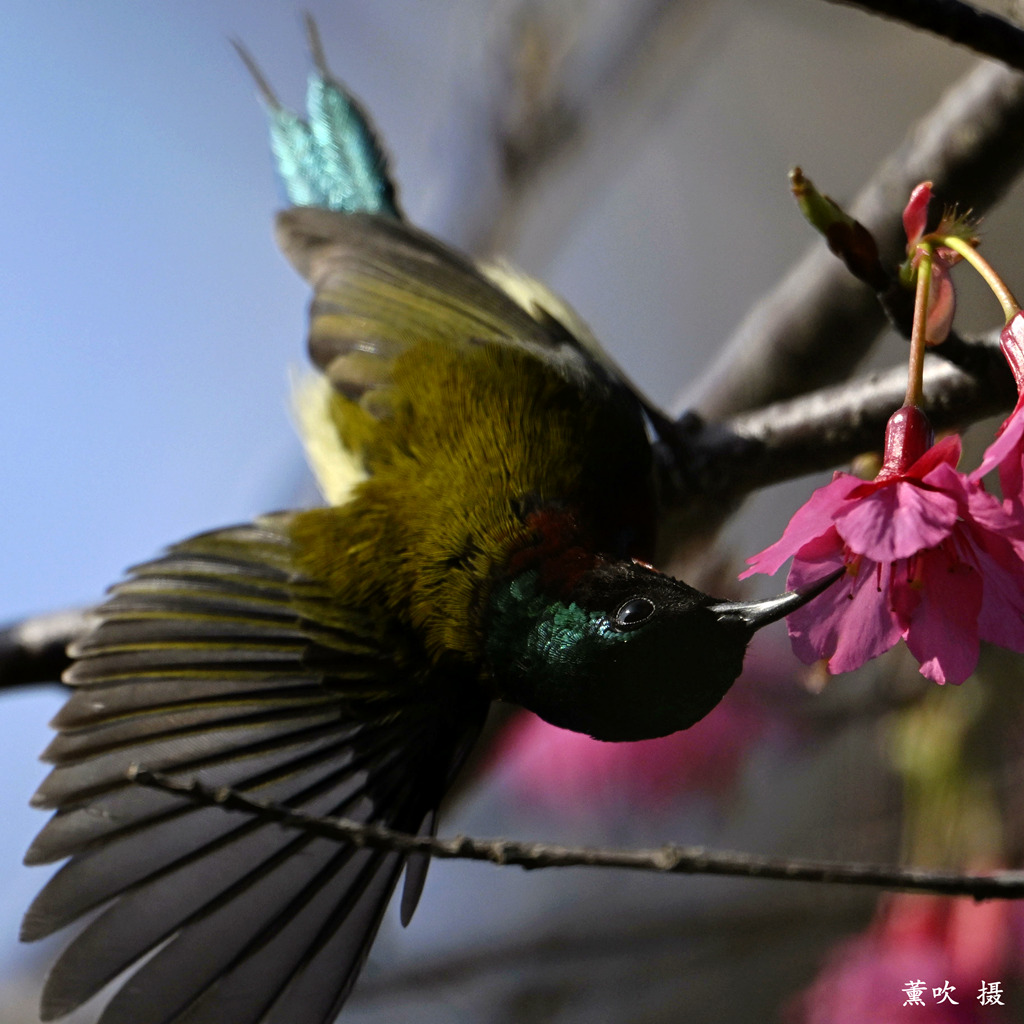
(930, 558)
(1007, 451)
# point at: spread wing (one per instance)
(220, 662)
(384, 291)
(381, 285)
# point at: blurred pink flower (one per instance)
(930, 557)
(931, 939)
(1007, 451)
(567, 772)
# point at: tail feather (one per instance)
(332, 159)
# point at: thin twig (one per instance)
(668, 859)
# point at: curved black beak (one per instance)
(755, 614)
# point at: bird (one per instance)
(491, 509)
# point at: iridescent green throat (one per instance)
(538, 645)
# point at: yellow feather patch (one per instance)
(535, 297)
(470, 430)
(336, 467)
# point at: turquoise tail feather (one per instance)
(332, 159)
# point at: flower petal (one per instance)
(985, 512)
(849, 623)
(1006, 453)
(1011, 341)
(1001, 620)
(813, 519)
(941, 305)
(943, 453)
(915, 213)
(998, 562)
(897, 520)
(1007, 450)
(943, 630)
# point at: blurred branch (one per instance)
(557, 76)
(982, 31)
(644, 938)
(669, 859)
(540, 116)
(818, 324)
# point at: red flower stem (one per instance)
(1011, 307)
(915, 368)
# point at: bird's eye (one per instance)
(633, 612)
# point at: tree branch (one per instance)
(982, 31)
(711, 468)
(668, 859)
(817, 325)
(832, 426)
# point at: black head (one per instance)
(625, 653)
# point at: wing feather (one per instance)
(220, 662)
(380, 285)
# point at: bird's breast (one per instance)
(460, 449)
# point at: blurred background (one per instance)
(147, 324)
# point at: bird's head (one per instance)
(623, 652)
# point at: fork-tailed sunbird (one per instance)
(491, 507)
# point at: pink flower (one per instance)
(1007, 451)
(928, 938)
(941, 296)
(930, 557)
